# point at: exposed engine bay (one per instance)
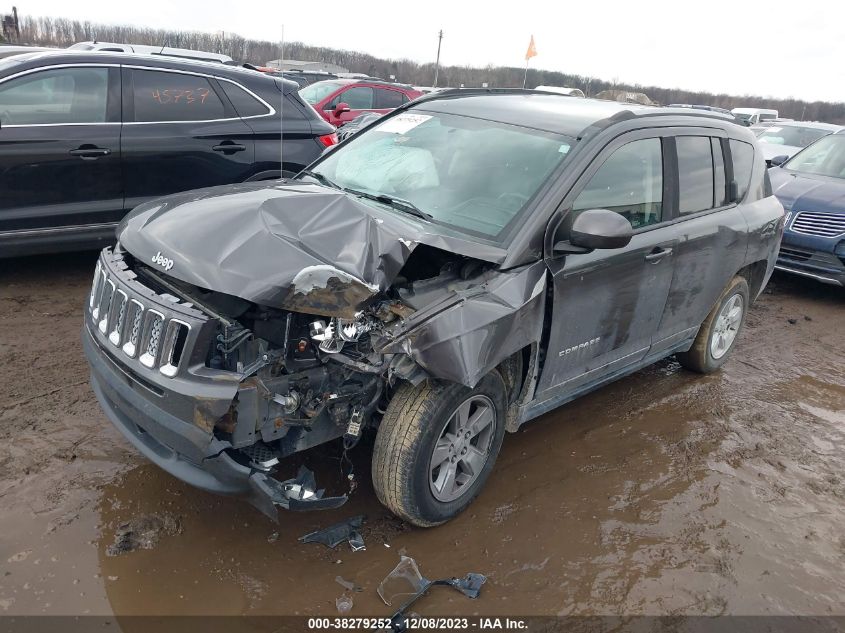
(306, 379)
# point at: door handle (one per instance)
(90, 152)
(227, 147)
(657, 254)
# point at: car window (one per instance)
(388, 98)
(161, 96)
(743, 161)
(245, 104)
(793, 135)
(720, 182)
(629, 182)
(358, 98)
(318, 91)
(695, 173)
(468, 173)
(65, 95)
(825, 157)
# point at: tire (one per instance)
(708, 354)
(406, 476)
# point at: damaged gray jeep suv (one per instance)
(463, 265)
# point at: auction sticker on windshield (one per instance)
(402, 123)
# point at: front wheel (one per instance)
(717, 336)
(436, 446)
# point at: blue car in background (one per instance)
(811, 187)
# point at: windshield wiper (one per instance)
(320, 178)
(400, 204)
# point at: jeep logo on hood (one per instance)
(162, 261)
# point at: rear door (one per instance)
(711, 229)
(180, 133)
(607, 304)
(387, 99)
(60, 152)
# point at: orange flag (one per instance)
(532, 50)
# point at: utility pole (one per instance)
(437, 63)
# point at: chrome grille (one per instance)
(152, 338)
(157, 340)
(105, 305)
(819, 224)
(136, 316)
(117, 316)
(96, 295)
(95, 286)
(173, 346)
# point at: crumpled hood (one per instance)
(807, 192)
(291, 245)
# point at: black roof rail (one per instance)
(467, 92)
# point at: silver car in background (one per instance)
(789, 137)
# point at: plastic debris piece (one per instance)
(344, 604)
(406, 582)
(273, 537)
(347, 584)
(336, 534)
(403, 582)
(356, 541)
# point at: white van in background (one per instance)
(753, 116)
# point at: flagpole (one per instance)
(525, 76)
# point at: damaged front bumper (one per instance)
(167, 407)
(185, 450)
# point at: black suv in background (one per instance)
(85, 137)
(463, 265)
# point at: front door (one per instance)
(360, 99)
(607, 304)
(180, 133)
(60, 152)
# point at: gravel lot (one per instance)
(664, 493)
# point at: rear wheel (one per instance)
(717, 336)
(436, 446)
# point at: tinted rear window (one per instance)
(695, 173)
(245, 104)
(161, 96)
(743, 161)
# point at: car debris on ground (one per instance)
(336, 534)
(406, 582)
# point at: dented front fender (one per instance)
(470, 332)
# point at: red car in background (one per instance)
(340, 100)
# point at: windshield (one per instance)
(793, 135)
(825, 157)
(464, 172)
(318, 91)
(742, 116)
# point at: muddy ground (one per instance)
(664, 493)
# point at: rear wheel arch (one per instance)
(754, 274)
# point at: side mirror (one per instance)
(777, 161)
(341, 107)
(594, 229)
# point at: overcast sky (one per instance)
(772, 48)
